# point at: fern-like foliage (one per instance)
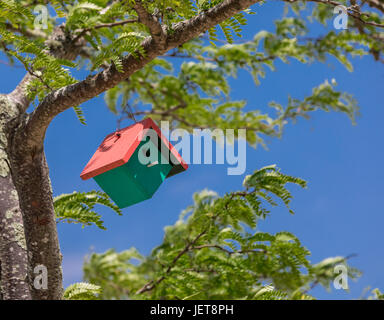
(230, 26)
(82, 291)
(269, 180)
(50, 73)
(101, 26)
(78, 207)
(215, 251)
(129, 42)
(14, 10)
(376, 295)
(199, 90)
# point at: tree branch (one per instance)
(19, 95)
(104, 25)
(191, 246)
(152, 284)
(154, 26)
(75, 94)
(29, 33)
(377, 4)
(229, 252)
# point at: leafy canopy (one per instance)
(101, 32)
(215, 250)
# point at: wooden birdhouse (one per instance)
(132, 163)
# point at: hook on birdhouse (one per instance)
(127, 109)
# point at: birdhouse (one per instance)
(132, 163)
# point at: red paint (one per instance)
(118, 147)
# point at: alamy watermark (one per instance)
(41, 19)
(340, 22)
(40, 282)
(196, 148)
(341, 280)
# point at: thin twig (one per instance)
(152, 284)
(354, 13)
(153, 24)
(104, 25)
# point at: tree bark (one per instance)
(28, 227)
(31, 177)
(13, 250)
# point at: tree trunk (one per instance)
(28, 205)
(32, 181)
(28, 233)
(13, 251)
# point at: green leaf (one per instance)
(77, 207)
(82, 291)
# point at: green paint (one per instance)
(134, 182)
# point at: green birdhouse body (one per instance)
(117, 169)
(133, 182)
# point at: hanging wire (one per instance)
(132, 115)
(127, 114)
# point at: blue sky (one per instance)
(340, 213)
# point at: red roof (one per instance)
(118, 147)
